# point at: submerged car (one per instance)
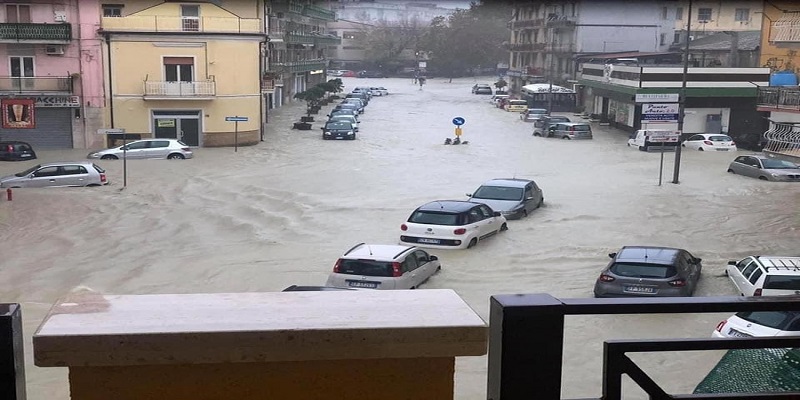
(338, 130)
(370, 266)
(171, 149)
(451, 224)
(710, 142)
(514, 198)
(533, 114)
(747, 324)
(80, 173)
(346, 118)
(765, 168)
(482, 88)
(16, 151)
(649, 272)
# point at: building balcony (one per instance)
(291, 6)
(196, 90)
(311, 38)
(528, 23)
(36, 85)
(779, 98)
(525, 46)
(560, 48)
(35, 33)
(300, 66)
(268, 84)
(319, 13)
(560, 21)
(175, 24)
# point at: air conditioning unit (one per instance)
(54, 50)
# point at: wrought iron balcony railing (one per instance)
(525, 46)
(560, 21)
(299, 66)
(197, 90)
(779, 98)
(319, 13)
(29, 32)
(36, 84)
(311, 38)
(168, 23)
(527, 23)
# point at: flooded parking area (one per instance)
(280, 213)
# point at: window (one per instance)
(663, 39)
(409, 264)
(665, 13)
(422, 257)
(137, 145)
(47, 171)
(749, 270)
(159, 143)
(73, 170)
(757, 274)
(677, 37)
(22, 67)
(486, 211)
(112, 10)
(18, 13)
(704, 14)
(742, 15)
(679, 13)
(741, 265)
(475, 215)
(190, 18)
(178, 69)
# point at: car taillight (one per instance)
(733, 143)
(102, 177)
(708, 142)
(678, 283)
(605, 278)
(460, 231)
(403, 227)
(336, 266)
(396, 269)
(186, 149)
(721, 324)
(10, 149)
(757, 292)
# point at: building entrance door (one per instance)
(181, 125)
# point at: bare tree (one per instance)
(386, 42)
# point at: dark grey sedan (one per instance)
(514, 198)
(765, 168)
(646, 271)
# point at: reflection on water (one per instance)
(280, 213)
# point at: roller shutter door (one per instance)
(53, 130)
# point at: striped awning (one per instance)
(786, 28)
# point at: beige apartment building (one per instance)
(711, 17)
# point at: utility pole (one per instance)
(682, 100)
(552, 66)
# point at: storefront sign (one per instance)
(165, 123)
(18, 113)
(58, 101)
(656, 97)
(660, 112)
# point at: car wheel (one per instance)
(566, 137)
(763, 178)
(353, 138)
(175, 156)
(629, 145)
(524, 212)
(541, 203)
(731, 171)
(108, 157)
(472, 243)
(503, 227)
(642, 148)
(535, 134)
(439, 268)
(700, 149)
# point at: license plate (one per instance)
(722, 149)
(339, 137)
(734, 333)
(26, 155)
(430, 241)
(359, 284)
(639, 289)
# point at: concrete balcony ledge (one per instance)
(298, 345)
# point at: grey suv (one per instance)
(649, 272)
(542, 125)
(171, 149)
(515, 198)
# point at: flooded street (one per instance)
(280, 213)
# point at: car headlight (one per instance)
(775, 175)
(350, 133)
(327, 133)
(93, 155)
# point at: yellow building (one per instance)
(715, 16)
(177, 70)
(780, 36)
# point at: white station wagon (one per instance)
(765, 276)
(372, 266)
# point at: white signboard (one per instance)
(660, 112)
(663, 136)
(110, 131)
(656, 97)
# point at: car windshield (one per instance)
(720, 138)
(338, 125)
(643, 270)
(98, 168)
(365, 267)
(771, 319)
(342, 118)
(582, 128)
(498, 193)
(28, 171)
(434, 218)
(771, 163)
(783, 282)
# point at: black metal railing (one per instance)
(36, 84)
(29, 31)
(526, 342)
(527, 23)
(779, 97)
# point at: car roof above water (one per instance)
(377, 251)
(646, 254)
(448, 206)
(508, 182)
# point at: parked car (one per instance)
(640, 139)
(533, 114)
(300, 288)
(650, 272)
(765, 275)
(710, 142)
(516, 105)
(171, 149)
(79, 173)
(570, 130)
(344, 111)
(514, 198)
(359, 95)
(348, 74)
(338, 130)
(361, 105)
(371, 74)
(345, 118)
(363, 89)
(371, 266)
(335, 72)
(482, 88)
(541, 126)
(16, 151)
(451, 224)
(765, 168)
(747, 324)
(495, 99)
(379, 91)
(349, 106)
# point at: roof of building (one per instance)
(748, 41)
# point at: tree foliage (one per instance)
(384, 43)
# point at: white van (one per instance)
(496, 97)
(640, 140)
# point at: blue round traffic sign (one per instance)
(458, 121)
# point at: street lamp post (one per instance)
(682, 100)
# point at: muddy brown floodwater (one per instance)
(281, 212)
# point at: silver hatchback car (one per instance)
(765, 168)
(515, 198)
(171, 149)
(80, 173)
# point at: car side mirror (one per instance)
(469, 194)
(731, 262)
(125, 148)
(497, 213)
(697, 260)
(612, 255)
(432, 258)
(529, 198)
(552, 128)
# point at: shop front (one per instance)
(43, 121)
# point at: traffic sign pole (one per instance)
(236, 137)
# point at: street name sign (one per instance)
(111, 131)
(236, 119)
(656, 97)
